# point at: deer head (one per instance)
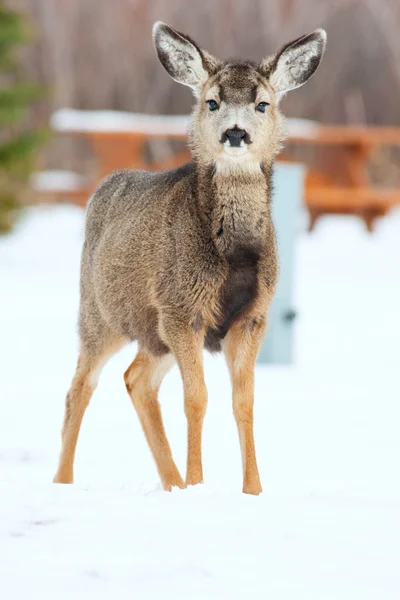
(236, 121)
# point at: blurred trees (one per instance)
(98, 54)
(17, 145)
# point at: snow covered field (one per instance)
(327, 434)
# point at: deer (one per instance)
(186, 259)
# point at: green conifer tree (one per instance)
(18, 143)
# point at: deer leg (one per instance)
(195, 393)
(78, 398)
(241, 347)
(143, 379)
(187, 346)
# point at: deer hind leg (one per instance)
(241, 347)
(143, 379)
(78, 398)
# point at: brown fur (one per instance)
(183, 259)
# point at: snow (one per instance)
(327, 433)
(302, 127)
(56, 179)
(72, 120)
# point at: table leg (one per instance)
(358, 156)
(113, 154)
(355, 165)
(314, 215)
(369, 217)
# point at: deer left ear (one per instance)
(295, 63)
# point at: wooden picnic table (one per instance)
(356, 195)
(118, 140)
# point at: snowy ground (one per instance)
(327, 433)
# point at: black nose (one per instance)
(235, 136)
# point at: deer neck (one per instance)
(234, 206)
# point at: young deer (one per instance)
(186, 259)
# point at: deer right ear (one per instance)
(181, 57)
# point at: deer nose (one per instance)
(235, 136)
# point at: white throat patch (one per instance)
(237, 160)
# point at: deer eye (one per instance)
(212, 105)
(262, 106)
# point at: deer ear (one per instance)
(296, 62)
(181, 57)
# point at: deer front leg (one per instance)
(241, 347)
(195, 409)
(187, 346)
